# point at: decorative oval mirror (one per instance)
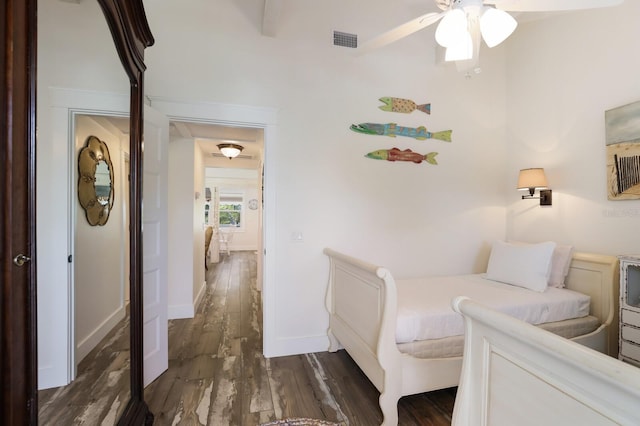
(95, 181)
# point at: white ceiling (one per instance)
(208, 136)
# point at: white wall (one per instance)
(199, 280)
(415, 219)
(186, 266)
(563, 74)
(99, 265)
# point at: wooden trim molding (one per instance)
(131, 35)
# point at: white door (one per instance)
(154, 243)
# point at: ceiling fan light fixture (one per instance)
(452, 28)
(462, 50)
(496, 25)
(230, 150)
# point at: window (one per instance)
(207, 209)
(230, 208)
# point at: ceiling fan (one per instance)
(464, 23)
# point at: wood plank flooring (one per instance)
(218, 376)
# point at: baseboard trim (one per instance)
(200, 295)
(88, 343)
(296, 346)
(180, 311)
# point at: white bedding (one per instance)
(424, 304)
(453, 345)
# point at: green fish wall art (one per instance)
(394, 154)
(405, 106)
(393, 130)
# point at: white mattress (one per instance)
(424, 304)
(453, 345)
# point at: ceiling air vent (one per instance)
(345, 39)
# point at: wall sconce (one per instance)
(532, 179)
(230, 150)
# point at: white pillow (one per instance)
(560, 263)
(525, 266)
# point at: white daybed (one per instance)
(362, 304)
(517, 374)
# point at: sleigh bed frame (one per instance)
(362, 304)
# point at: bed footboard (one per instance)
(515, 373)
(362, 304)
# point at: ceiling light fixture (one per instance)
(230, 150)
(466, 22)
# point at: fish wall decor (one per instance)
(394, 154)
(405, 106)
(393, 130)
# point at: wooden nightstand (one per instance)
(630, 309)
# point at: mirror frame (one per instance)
(18, 290)
(91, 155)
(131, 35)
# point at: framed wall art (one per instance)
(623, 152)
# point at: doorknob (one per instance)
(21, 259)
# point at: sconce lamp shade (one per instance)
(230, 150)
(532, 179)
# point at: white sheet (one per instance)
(424, 304)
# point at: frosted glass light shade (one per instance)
(452, 28)
(461, 50)
(230, 150)
(496, 25)
(532, 178)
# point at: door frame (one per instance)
(244, 116)
(66, 105)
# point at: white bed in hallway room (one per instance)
(407, 356)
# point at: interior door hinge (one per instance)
(70, 258)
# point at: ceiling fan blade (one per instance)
(550, 5)
(399, 32)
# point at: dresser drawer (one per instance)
(630, 350)
(631, 334)
(631, 317)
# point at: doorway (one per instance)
(56, 312)
(244, 117)
(100, 253)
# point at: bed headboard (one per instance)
(598, 276)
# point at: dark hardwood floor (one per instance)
(218, 376)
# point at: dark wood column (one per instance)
(18, 360)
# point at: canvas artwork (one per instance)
(623, 152)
